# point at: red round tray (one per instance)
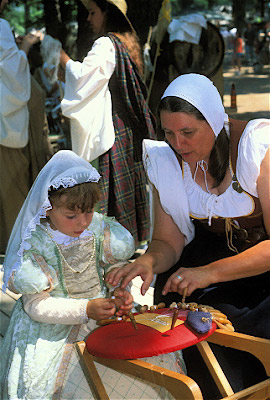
(121, 341)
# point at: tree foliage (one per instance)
(66, 19)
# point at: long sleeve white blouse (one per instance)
(87, 100)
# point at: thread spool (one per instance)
(143, 309)
(157, 307)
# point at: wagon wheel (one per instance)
(204, 58)
(179, 58)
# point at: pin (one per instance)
(174, 318)
(108, 321)
(157, 307)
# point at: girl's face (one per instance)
(69, 222)
(191, 138)
(96, 18)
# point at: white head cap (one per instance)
(199, 91)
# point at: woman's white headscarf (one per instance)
(199, 91)
(65, 169)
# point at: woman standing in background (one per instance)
(105, 100)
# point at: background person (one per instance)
(105, 99)
(24, 146)
(211, 220)
(250, 40)
(238, 51)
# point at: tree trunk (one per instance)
(57, 16)
(26, 16)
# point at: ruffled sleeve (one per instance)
(87, 100)
(165, 174)
(116, 242)
(253, 145)
(30, 279)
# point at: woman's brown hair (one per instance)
(116, 23)
(219, 156)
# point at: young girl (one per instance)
(58, 254)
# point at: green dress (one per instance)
(38, 359)
(32, 352)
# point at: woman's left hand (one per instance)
(190, 278)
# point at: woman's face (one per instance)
(96, 18)
(191, 138)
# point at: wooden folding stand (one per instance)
(179, 385)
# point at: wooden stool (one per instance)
(179, 385)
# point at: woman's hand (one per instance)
(190, 278)
(129, 271)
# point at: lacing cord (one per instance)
(204, 167)
(210, 202)
(229, 225)
(210, 205)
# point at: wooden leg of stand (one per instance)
(260, 391)
(179, 385)
(90, 371)
(259, 347)
(215, 369)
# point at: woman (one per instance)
(212, 218)
(105, 99)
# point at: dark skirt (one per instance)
(246, 302)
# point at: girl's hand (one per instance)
(100, 309)
(190, 278)
(125, 303)
(129, 271)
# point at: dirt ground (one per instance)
(252, 90)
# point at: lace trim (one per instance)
(65, 362)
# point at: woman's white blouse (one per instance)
(252, 148)
(163, 169)
(87, 100)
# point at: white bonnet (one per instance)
(199, 91)
(64, 169)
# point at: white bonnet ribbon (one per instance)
(210, 204)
